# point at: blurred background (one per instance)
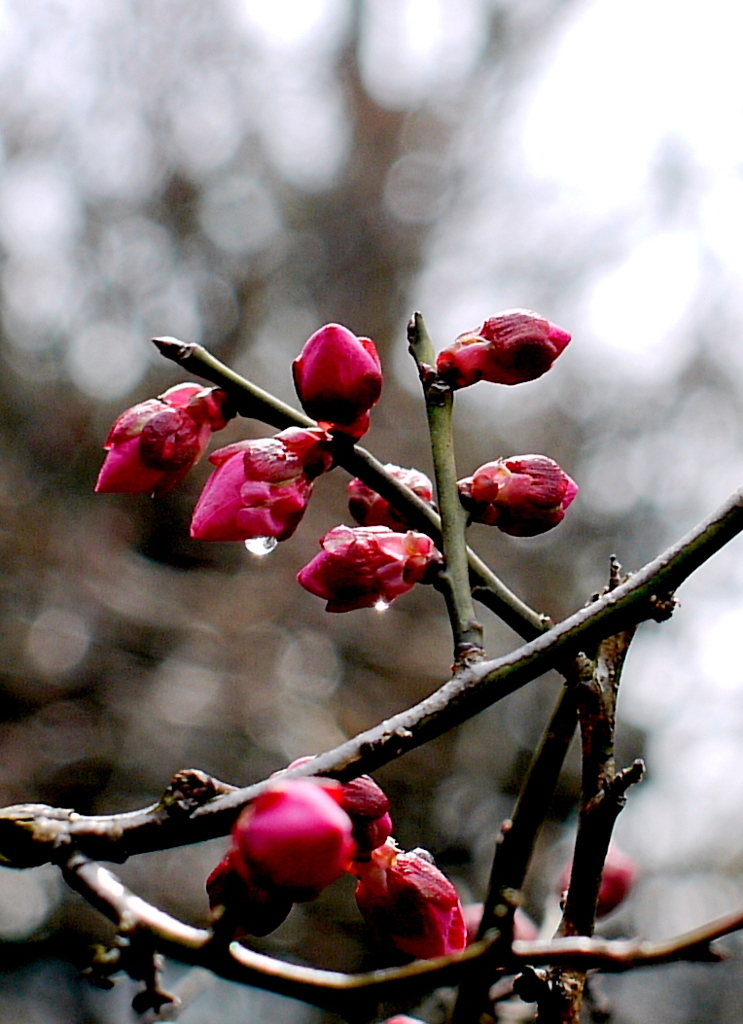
(238, 173)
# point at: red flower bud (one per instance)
(338, 378)
(261, 488)
(293, 839)
(617, 879)
(367, 806)
(510, 348)
(153, 445)
(409, 904)
(523, 495)
(251, 909)
(366, 566)
(370, 509)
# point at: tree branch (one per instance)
(30, 832)
(348, 993)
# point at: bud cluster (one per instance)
(301, 835)
(260, 489)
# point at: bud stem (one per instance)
(455, 578)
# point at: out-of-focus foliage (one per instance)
(238, 173)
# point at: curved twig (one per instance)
(339, 991)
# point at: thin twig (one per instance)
(454, 579)
(335, 990)
(603, 790)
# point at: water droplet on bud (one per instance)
(381, 606)
(261, 546)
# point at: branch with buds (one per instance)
(296, 833)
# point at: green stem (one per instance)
(455, 577)
(251, 401)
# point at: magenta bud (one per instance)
(409, 904)
(617, 879)
(370, 509)
(252, 910)
(367, 806)
(338, 378)
(367, 566)
(402, 1018)
(371, 834)
(523, 495)
(513, 347)
(294, 839)
(261, 488)
(152, 446)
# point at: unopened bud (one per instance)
(152, 446)
(338, 378)
(370, 509)
(523, 495)
(513, 347)
(409, 904)
(294, 838)
(261, 488)
(361, 567)
(617, 879)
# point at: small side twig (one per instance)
(603, 794)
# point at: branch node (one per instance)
(662, 606)
(189, 789)
(466, 655)
(532, 985)
(615, 572)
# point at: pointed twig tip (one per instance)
(172, 348)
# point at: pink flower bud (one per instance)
(523, 926)
(617, 879)
(510, 348)
(361, 567)
(370, 509)
(523, 495)
(261, 488)
(401, 1018)
(338, 378)
(367, 806)
(153, 445)
(293, 839)
(252, 910)
(409, 904)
